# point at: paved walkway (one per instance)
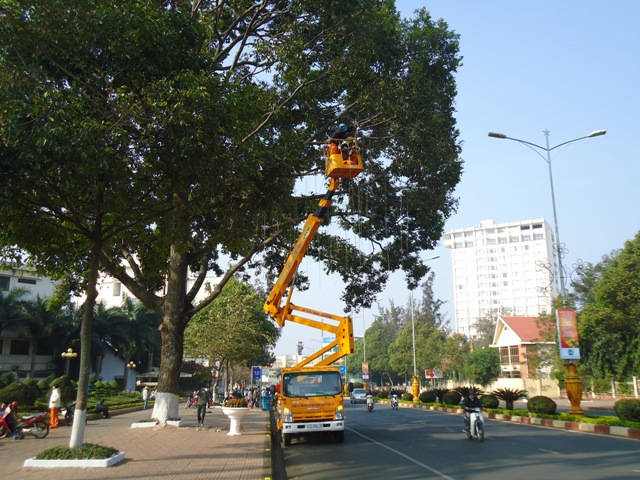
(157, 453)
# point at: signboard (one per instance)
(256, 373)
(435, 373)
(568, 333)
(365, 370)
(343, 370)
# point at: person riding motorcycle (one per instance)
(468, 404)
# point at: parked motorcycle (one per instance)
(370, 402)
(394, 402)
(36, 425)
(476, 424)
(69, 412)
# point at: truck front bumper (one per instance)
(312, 427)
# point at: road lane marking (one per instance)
(412, 460)
(549, 451)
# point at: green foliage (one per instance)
(483, 366)
(382, 394)
(541, 404)
(428, 396)
(452, 398)
(87, 451)
(8, 378)
(464, 391)
(236, 403)
(628, 409)
(200, 137)
(407, 396)
(609, 330)
(490, 401)
(440, 392)
(25, 393)
(509, 395)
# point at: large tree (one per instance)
(609, 325)
(169, 137)
(232, 330)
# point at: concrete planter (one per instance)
(175, 423)
(144, 424)
(235, 415)
(93, 463)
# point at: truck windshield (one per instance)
(312, 384)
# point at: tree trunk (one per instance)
(174, 322)
(77, 430)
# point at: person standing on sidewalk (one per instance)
(203, 402)
(145, 396)
(54, 406)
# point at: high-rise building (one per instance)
(504, 269)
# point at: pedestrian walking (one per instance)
(54, 406)
(203, 401)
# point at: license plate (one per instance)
(313, 426)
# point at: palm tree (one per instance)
(12, 307)
(509, 395)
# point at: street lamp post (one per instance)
(547, 149)
(573, 382)
(131, 366)
(68, 355)
(415, 385)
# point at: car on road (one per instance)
(359, 395)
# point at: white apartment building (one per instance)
(507, 268)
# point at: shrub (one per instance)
(452, 397)
(236, 403)
(464, 391)
(407, 396)
(440, 393)
(7, 379)
(382, 394)
(541, 404)
(428, 397)
(25, 393)
(509, 395)
(85, 451)
(628, 409)
(490, 401)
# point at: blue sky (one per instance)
(570, 67)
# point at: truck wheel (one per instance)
(339, 436)
(286, 437)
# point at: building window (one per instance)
(538, 236)
(27, 281)
(468, 244)
(19, 347)
(117, 288)
(4, 283)
(44, 348)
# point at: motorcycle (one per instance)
(476, 424)
(394, 402)
(69, 412)
(370, 402)
(36, 425)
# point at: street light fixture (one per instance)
(415, 385)
(572, 381)
(68, 355)
(533, 146)
(130, 366)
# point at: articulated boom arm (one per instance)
(280, 313)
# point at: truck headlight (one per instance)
(340, 413)
(286, 415)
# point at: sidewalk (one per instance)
(160, 452)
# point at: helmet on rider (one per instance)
(472, 392)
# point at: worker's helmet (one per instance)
(14, 405)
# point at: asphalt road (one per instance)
(418, 444)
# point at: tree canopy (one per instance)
(169, 137)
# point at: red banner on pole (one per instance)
(568, 333)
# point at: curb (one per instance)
(625, 432)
